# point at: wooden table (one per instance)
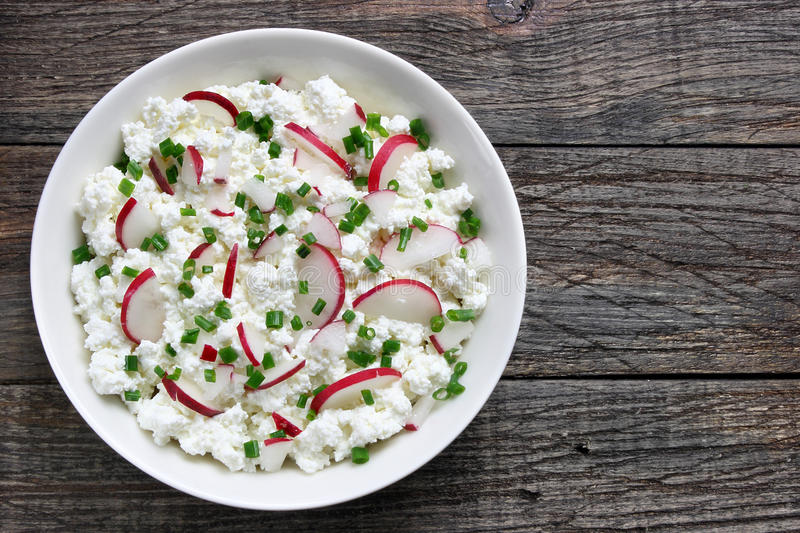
(655, 151)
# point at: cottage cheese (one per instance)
(262, 285)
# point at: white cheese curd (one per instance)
(212, 370)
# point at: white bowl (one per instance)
(381, 82)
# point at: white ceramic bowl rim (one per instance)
(56, 231)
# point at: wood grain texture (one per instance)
(543, 71)
(549, 455)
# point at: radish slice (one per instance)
(387, 161)
(253, 342)
(260, 193)
(347, 391)
(142, 316)
(230, 272)
(314, 171)
(400, 299)
(305, 139)
(274, 453)
(224, 377)
(337, 209)
(192, 169)
(192, 396)
(451, 335)
(272, 244)
(421, 248)
(380, 203)
(478, 254)
(223, 168)
(217, 201)
(325, 231)
(203, 255)
(420, 412)
(325, 281)
(134, 223)
(209, 353)
(281, 372)
(334, 132)
(213, 105)
(284, 424)
(332, 338)
(287, 83)
(158, 168)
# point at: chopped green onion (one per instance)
(441, 394)
(460, 368)
(172, 174)
(251, 449)
(362, 359)
(437, 323)
(280, 230)
(102, 272)
(188, 269)
(146, 243)
(284, 202)
(450, 356)
(349, 144)
(178, 151)
(135, 170)
(244, 120)
(311, 415)
(297, 323)
(423, 141)
(274, 150)
(132, 395)
(304, 189)
(254, 238)
(186, 290)
(302, 286)
(373, 263)
(360, 455)
(373, 121)
(386, 361)
(319, 305)
(416, 127)
(393, 185)
(126, 187)
(309, 238)
(170, 350)
(207, 269)
(301, 401)
(454, 387)
(469, 225)
(346, 226)
(361, 181)
(268, 361)
(188, 212)
(81, 254)
(366, 333)
(131, 363)
(367, 395)
(176, 374)
(123, 161)
(205, 323)
(428, 203)
(159, 371)
(264, 124)
(421, 224)
(223, 311)
(437, 180)
(249, 369)
(255, 214)
(274, 319)
(348, 316)
(159, 242)
(358, 214)
(190, 336)
(303, 251)
(357, 135)
(166, 147)
(210, 375)
(240, 199)
(319, 389)
(461, 315)
(462, 253)
(256, 378)
(312, 209)
(390, 346)
(259, 177)
(280, 434)
(368, 153)
(209, 234)
(228, 354)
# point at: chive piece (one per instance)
(302, 286)
(132, 395)
(251, 449)
(102, 272)
(368, 153)
(393, 185)
(81, 254)
(274, 150)
(361, 181)
(359, 214)
(126, 187)
(268, 361)
(441, 394)
(284, 202)
(249, 369)
(349, 144)
(123, 161)
(462, 253)
(188, 212)
(319, 389)
(454, 387)
(373, 263)
(166, 147)
(309, 238)
(386, 361)
(303, 251)
(176, 374)
(450, 356)
(348, 316)
(186, 290)
(421, 224)
(274, 319)
(259, 177)
(346, 226)
(205, 323)
(172, 174)
(360, 455)
(469, 225)
(357, 135)
(210, 375)
(460, 368)
(437, 180)
(437, 323)
(367, 395)
(416, 127)
(265, 124)
(254, 238)
(311, 415)
(373, 121)
(362, 359)
(366, 333)
(190, 336)
(135, 170)
(467, 213)
(280, 434)
(301, 401)
(178, 151)
(159, 242)
(390, 346)
(423, 141)
(207, 269)
(240, 199)
(188, 269)
(159, 371)
(319, 305)
(297, 323)
(461, 315)
(145, 244)
(405, 236)
(280, 230)
(131, 363)
(244, 120)
(428, 203)
(312, 209)
(170, 350)
(223, 311)
(255, 380)
(304, 189)
(228, 354)
(209, 234)
(256, 215)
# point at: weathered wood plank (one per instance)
(552, 455)
(641, 261)
(624, 71)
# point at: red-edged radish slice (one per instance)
(209, 353)
(421, 248)
(158, 168)
(213, 105)
(192, 396)
(260, 193)
(281, 372)
(203, 255)
(224, 377)
(333, 132)
(332, 338)
(451, 335)
(253, 342)
(388, 160)
(347, 391)
(271, 244)
(325, 231)
(336, 209)
(380, 203)
(325, 281)
(223, 168)
(192, 169)
(314, 170)
(230, 272)
(305, 139)
(400, 299)
(284, 424)
(420, 412)
(134, 223)
(478, 254)
(217, 201)
(142, 316)
(274, 452)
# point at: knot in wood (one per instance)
(509, 11)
